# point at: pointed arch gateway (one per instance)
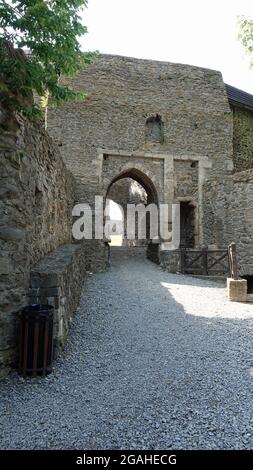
(141, 178)
(147, 195)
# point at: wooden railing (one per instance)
(204, 262)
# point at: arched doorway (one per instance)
(133, 187)
(140, 177)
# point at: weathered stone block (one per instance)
(61, 276)
(237, 290)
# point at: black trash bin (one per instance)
(36, 340)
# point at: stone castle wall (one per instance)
(243, 139)
(36, 199)
(122, 94)
(167, 126)
(229, 202)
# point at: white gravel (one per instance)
(153, 361)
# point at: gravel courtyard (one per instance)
(153, 361)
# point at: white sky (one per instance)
(197, 32)
(114, 211)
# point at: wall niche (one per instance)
(154, 131)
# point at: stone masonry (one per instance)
(57, 280)
(229, 203)
(36, 200)
(109, 135)
(169, 127)
(242, 138)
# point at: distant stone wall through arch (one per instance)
(131, 187)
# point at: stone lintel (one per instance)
(143, 154)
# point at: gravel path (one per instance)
(153, 361)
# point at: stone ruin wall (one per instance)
(242, 139)
(37, 191)
(122, 94)
(36, 199)
(229, 201)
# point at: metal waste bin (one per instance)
(36, 340)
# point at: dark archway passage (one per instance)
(131, 187)
(187, 225)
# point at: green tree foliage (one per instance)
(49, 31)
(246, 36)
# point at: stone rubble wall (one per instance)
(104, 137)
(96, 255)
(122, 93)
(186, 179)
(57, 280)
(36, 200)
(229, 201)
(243, 139)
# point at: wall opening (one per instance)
(114, 217)
(249, 280)
(154, 129)
(133, 187)
(187, 225)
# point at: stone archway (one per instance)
(168, 179)
(121, 192)
(147, 171)
(133, 186)
(140, 177)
